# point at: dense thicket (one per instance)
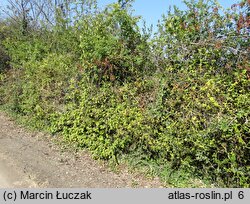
(181, 97)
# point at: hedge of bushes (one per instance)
(182, 96)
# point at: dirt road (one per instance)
(12, 177)
(31, 159)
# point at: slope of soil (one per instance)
(31, 159)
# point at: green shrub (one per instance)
(202, 109)
(112, 46)
(104, 120)
(203, 125)
(38, 90)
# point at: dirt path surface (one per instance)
(31, 159)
